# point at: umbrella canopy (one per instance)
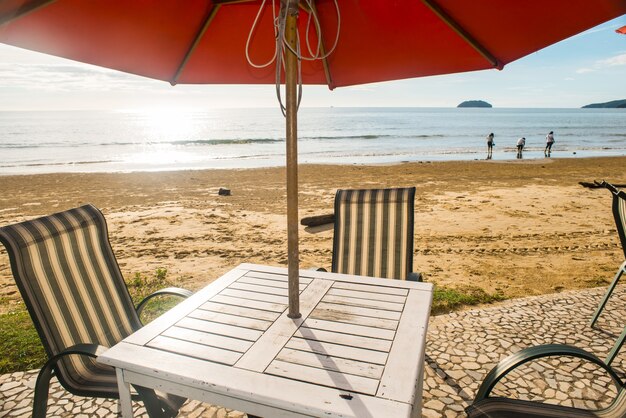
(204, 41)
(218, 41)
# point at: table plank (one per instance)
(337, 350)
(398, 381)
(223, 318)
(324, 361)
(389, 290)
(205, 338)
(240, 311)
(220, 329)
(344, 339)
(195, 350)
(280, 284)
(329, 378)
(329, 314)
(366, 303)
(339, 291)
(279, 277)
(365, 331)
(254, 296)
(263, 289)
(275, 337)
(359, 311)
(254, 304)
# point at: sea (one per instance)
(125, 141)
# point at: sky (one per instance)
(587, 68)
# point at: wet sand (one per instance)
(515, 227)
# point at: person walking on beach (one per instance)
(549, 142)
(490, 145)
(520, 146)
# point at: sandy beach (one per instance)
(517, 228)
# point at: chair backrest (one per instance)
(619, 213)
(70, 281)
(373, 233)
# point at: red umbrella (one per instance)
(621, 30)
(209, 42)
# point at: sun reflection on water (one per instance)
(167, 124)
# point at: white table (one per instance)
(357, 351)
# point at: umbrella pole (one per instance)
(291, 64)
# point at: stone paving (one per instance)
(461, 349)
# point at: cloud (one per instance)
(617, 60)
(613, 61)
(361, 88)
(66, 77)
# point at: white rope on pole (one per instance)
(281, 44)
(252, 30)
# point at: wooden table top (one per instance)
(358, 349)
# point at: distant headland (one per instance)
(612, 104)
(474, 103)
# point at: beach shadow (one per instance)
(341, 383)
(448, 380)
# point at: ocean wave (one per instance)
(369, 136)
(192, 142)
(225, 141)
(57, 164)
(184, 142)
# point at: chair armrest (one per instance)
(43, 379)
(415, 277)
(176, 291)
(532, 353)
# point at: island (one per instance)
(474, 103)
(607, 105)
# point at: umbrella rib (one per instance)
(446, 18)
(207, 22)
(196, 41)
(329, 79)
(24, 10)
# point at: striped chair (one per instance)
(373, 233)
(71, 283)
(619, 213)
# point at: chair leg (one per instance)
(616, 348)
(40, 401)
(607, 294)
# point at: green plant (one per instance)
(447, 299)
(20, 346)
(141, 286)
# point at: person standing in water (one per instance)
(549, 142)
(520, 146)
(490, 145)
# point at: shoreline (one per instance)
(509, 150)
(518, 228)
